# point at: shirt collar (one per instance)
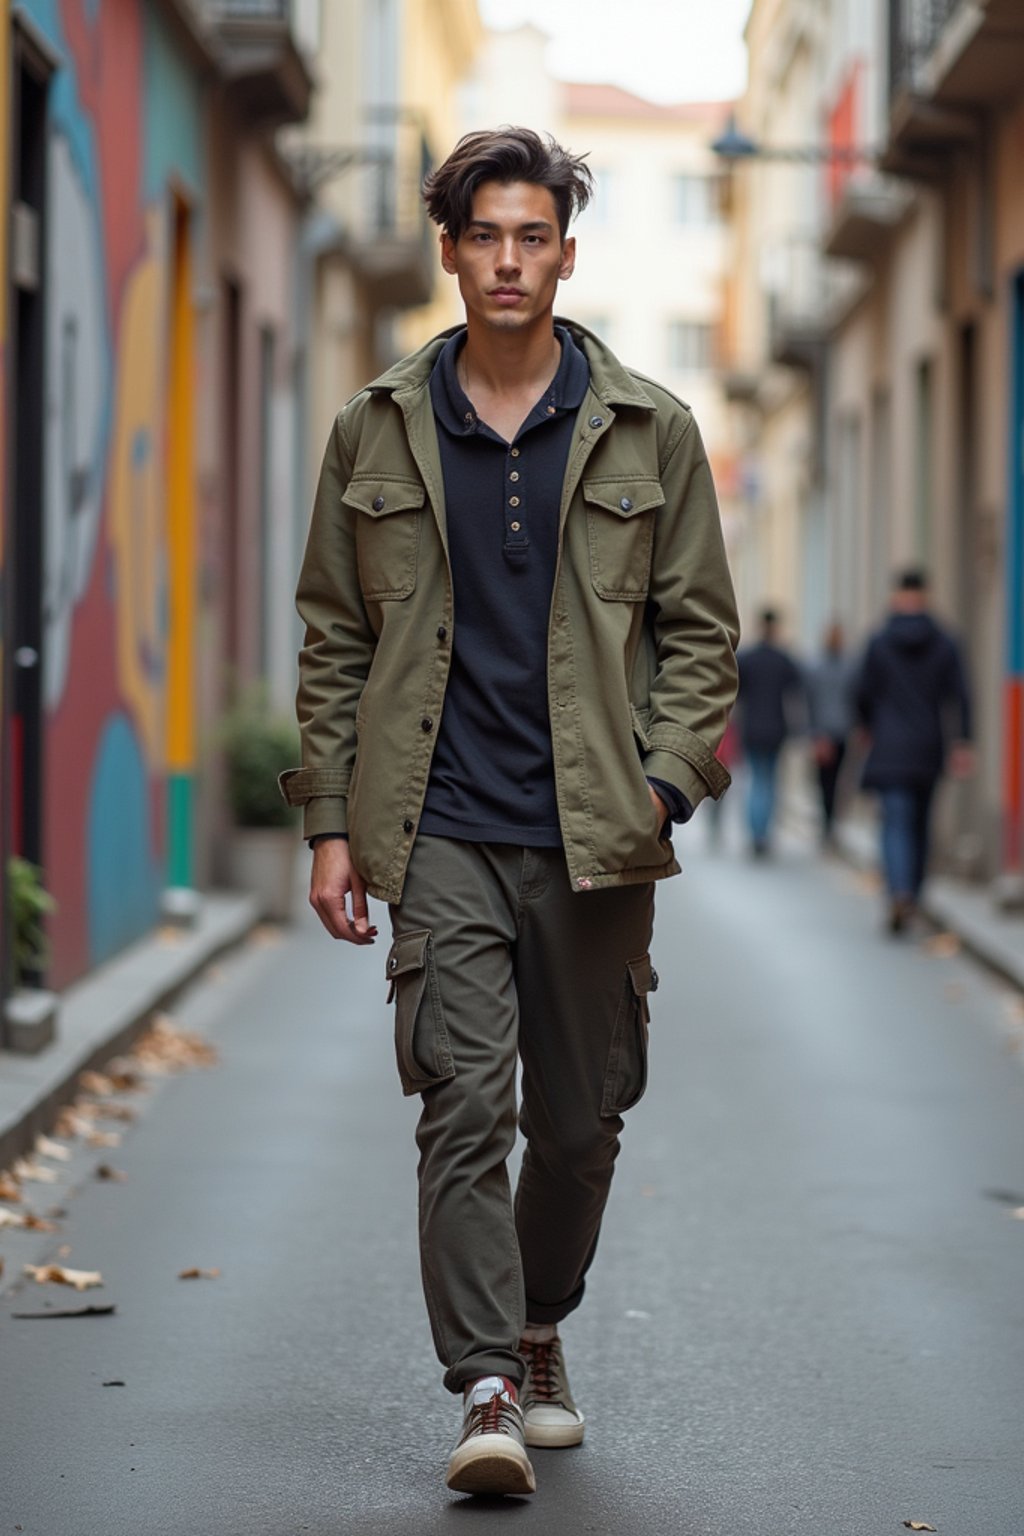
(454, 409)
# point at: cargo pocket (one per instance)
(387, 535)
(620, 533)
(626, 1075)
(422, 1046)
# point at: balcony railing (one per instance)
(267, 75)
(915, 27)
(393, 242)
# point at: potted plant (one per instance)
(259, 744)
(30, 1011)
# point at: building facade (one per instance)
(915, 215)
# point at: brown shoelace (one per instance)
(491, 1418)
(543, 1364)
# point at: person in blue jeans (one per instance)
(769, 698)
(914, 705)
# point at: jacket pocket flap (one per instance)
(379, 498)
(642, 975)
(624, 497)
(298, 785)
(408, 952)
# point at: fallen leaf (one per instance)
(71, 1123)
(942, 945)
(115, 1175)
(25, 1168)
(9, 1188)
(34, 1223)
(56, 1274)
(199, 1274)
(123, 1112)
(104, 1139)
(92, 1311)
(95, 1083)
(11, 1218)
(918, 1525)
(166, 1048)
(46, 1147)
(113, 1383)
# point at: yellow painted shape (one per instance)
(136, 499)
(181, 538)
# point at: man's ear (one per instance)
(568, 258)
(448, 253)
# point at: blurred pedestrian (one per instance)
(769, 700)
(507, 694)
(829, 684)
(913, 702)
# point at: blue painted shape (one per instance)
(172, 112)
(122, 877)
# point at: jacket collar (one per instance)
(610, 381)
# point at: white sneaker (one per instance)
(490, 1453)
(551, 1416)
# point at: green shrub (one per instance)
(258, 745)
(30, 903)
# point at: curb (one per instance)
(104, 1013)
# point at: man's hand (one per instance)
(660, 808)
(332, 880)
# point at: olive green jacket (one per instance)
(642, 636)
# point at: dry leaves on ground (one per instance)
(58, 1274)
(27, 1169)
(27, 1220)
(199, 1274)
(918, 1525)
(112, 1175)
(104, 1139)
(47, 1147)
(9, 1188)
(942, 945)
(166, 1048)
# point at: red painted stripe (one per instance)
(1013, 772)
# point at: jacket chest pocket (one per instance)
(387, 535)
(620, 536)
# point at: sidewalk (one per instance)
(104, 1012)
(967, 910)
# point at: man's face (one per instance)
(510, 256)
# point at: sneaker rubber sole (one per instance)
(550, 1436)
(481, 1466)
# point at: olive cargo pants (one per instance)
(496, 958)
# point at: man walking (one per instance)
(518, 665)
(828, 683)
(770, 688)
(912, 700)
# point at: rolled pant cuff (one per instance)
(493, 1362)
(536, 1312)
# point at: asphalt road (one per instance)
(806, 1314)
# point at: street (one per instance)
(805, 1314)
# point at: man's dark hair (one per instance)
(913, 579)
(769, 618)
(505, 155)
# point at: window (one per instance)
(691, 346)
(695, 199)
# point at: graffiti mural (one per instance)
(125, 115)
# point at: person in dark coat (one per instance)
(830, 717)
(913, 703)
(770, 691)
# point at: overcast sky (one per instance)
(668, 50)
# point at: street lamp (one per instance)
(733, 146)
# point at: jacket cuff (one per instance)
(325, 813)
(675, 770)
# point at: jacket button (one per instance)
(596, 421)
(426, 723)
(626, 504)
(407, 825)
(442, 633)
(378, 503)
